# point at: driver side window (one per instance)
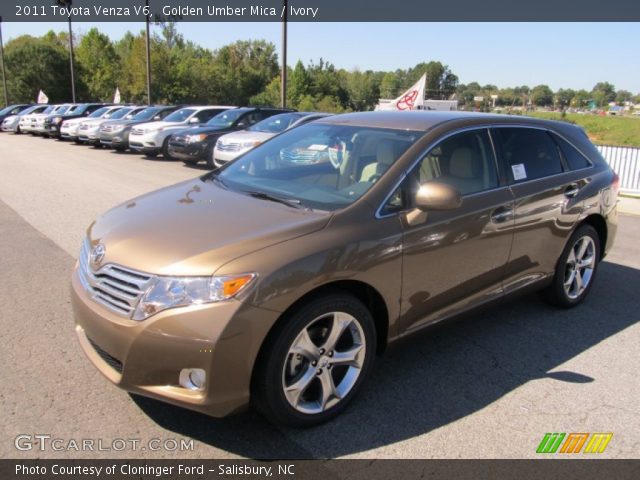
(464, 161)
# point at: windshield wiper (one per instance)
(290, 202)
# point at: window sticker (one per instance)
(317, 148)
(519, 171)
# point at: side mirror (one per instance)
(437, 196)
(157, 117)
(241, 125)
(194, 120)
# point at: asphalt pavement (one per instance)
(488, 386)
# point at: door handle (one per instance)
(501, 214)
(572, 190)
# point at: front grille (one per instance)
(137, 131)
(84, 127)
(229, 147)
(179, 140)
(117, 288)
(112, 361)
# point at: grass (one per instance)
(602, 130)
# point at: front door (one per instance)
(455, 259)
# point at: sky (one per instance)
(561, 55)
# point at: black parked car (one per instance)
(13, 110)
(53, 123)
(115, 133)
(195, 144)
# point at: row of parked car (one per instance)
(214, 134)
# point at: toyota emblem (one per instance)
(97, 254)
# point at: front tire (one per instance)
(165, 150)
(316, 362)
(576, 268)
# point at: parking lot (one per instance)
(488, 386)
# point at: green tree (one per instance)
(363, 90)
(542, 96)
(603, 93)
(33, 64)
(98, 65)
(565, 97)
(389, 86)
(299, 84)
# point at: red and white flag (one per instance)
(42, 98)
(410, 99)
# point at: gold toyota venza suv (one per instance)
(276, 279)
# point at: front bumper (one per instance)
(146, 143)
(9, 126)
(146, 357)
(188, 151)
(91, 135)
(70, 133)
(52, 130)
(118, 139)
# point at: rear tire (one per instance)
(576, 269)
(315, 362)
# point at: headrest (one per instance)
(464, 163)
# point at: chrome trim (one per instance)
(117, 288)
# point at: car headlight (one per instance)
(56, 120)
(196, 138)
(253, 143)
(171, 292)
(117, 127)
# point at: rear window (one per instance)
(528, 153)
(575, 160)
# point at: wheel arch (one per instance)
(600, 226)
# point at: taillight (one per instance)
(615, 183)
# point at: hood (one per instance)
(161, 124)
(205, 129)
(246, 136)
(195, 227)
(75, 121)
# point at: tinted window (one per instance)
(226, 119)
(528, 153)
(575, 160)
(464, 161)
(205, 115)
(276, 124)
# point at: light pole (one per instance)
(67, 5)
(148, 46)
(4, 73)
(283, 73)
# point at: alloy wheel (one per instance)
(579, 267)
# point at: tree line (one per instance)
(244, 72)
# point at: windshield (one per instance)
(276, 124)
(99, 112)
(180, 115)
(119, 113)
(76, 109)
(319, 165)
(49, 109)
(146, 114)
(30, 110)
(7, 109)
(61, 109)
(225, 119)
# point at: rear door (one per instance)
(546, 205)
(455, 259)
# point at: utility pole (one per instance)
(148, 58)
(283, 72)
(73, 82)
(4, 73)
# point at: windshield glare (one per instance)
(146, 114)
(326, 167)
(225, 119)
(180, 115)
(120, 113)
(99, 112)
(276, 124)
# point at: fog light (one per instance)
(192, 378)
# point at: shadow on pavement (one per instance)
(437, 377)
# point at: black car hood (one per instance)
(208, 130)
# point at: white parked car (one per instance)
(153, 138)
(234, 144)
(69, 128)
(35, 123)
(89, 130)
(14, 122)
